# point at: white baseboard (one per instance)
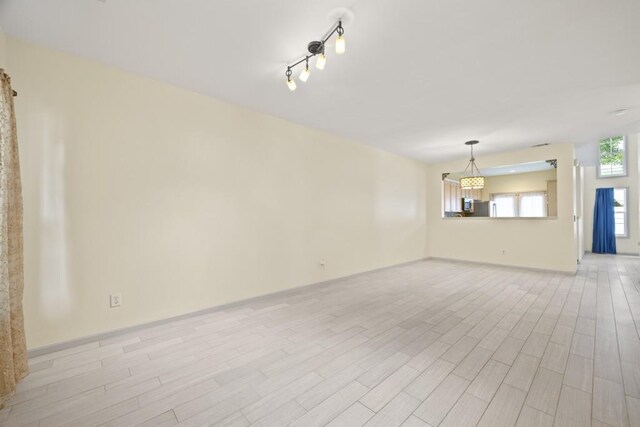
(490, 264)
(38, 351)
(619, 253)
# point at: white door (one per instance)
(578, 206)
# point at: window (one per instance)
(524, 205)
(620, 211)
(613, 159)
(533, 204)
(504, 205)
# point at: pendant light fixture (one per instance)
(316, 48)
(472, 180)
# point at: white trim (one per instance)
(626, 212)
(506, 266)
(617, 254)
(39, 351)
(624, 157)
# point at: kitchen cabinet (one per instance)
(446, 191)
(475, 194)
(453, 195)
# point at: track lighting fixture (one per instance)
(316, 48)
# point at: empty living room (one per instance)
(303, 213)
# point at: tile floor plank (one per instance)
(332, 407)
(356, 415)
(466, 412)
(444, 397)
(381, 394)
(423, 344)
(609, 404)
(530, 417)
(504, 408)
(574, 408)
(522, 372)
(545, 391)
(485, 385)
(395, 412)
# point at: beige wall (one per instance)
(628, 245)
(182, 202)
(517, 183)
(536, 243)
(3, 49)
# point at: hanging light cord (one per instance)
(472, 162)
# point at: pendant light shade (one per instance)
(321, 61)
(304, 75)
(291, 84)
(340, 45)
(472, 180)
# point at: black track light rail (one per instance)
(317, 47)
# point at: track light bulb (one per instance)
(340, 46)
(321, 61)
(292, 85)
(304, 75)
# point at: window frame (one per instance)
(517, 200)
(516, 204)
(545, 203)
(624, 160)
(626, 212)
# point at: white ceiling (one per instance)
(419, 77)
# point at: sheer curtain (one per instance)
(13, 349)
(504, 205)
(533, 204)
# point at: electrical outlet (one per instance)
(115, 300)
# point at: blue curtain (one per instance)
(604, 226)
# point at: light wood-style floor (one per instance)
(427, 344)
